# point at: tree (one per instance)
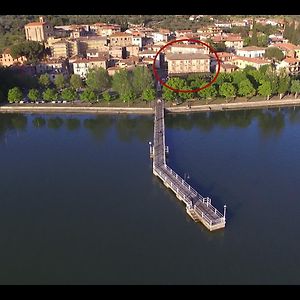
(98, 79)
(227, 90)
(128, 96)
(142, 80)
(44, 80)
(122, 84)
(265, 89)
(14, 95)
(284, 84)
(88, 95)
(33, 94)
(254, 39)
(106, 96)
(209, 92)
(168, 94)
(238, 76)
(76, 81)
(50, 95)
(59, 81)
(246, 89)
(274, 53)
(149, 94)
(68, 94)
(295, 87)
(219, 47)
(32, 50)
(262, 40)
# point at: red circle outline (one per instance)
(187, 91)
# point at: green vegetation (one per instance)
(33, 95)
(14, 95)
(76, 81)
(60, 81)
(274, 53)
(50, 95)
(33, 51)
(44, 80)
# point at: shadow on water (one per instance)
(129, 127)
(55, 122)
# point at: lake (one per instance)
(79, 203)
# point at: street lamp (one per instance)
(225, 212)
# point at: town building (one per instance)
(227, 68)
(290, 64)
(190, 48)
(242, 62)
(188, 63)
(121, 39)
(6, 60)
(251, 51)
(82, 66)
(38, 31)
(91, 42)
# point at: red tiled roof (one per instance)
(120, 34)
(36, 24)
(291, 60)
(285, 46)
(251, 59)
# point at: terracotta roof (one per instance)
(224, 54)
(291, 60)
(116, 34)
(285, 46)
(188, 46)
(251, 59)
(187, 56)
(36, 24)
(251, 48)
(147, 52)
(228, 66)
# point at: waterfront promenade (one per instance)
(70, 108)
(198, 207)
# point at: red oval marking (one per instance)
(187, 91)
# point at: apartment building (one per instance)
(188, 63)
(121, 39)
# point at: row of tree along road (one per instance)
(139, 84)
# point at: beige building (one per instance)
(186, 49)
(91, 42)
(242, 62)
(106, 30)
(63, 47)
(121, 39)
(188, 63)
(38, 31)
(227, 68)
(132, 50)
(6, 60)
(290, 64)
(117, 52)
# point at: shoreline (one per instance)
(40, 108)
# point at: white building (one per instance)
(137, 41)
(251, 51)
(159, 37)
(150, 54)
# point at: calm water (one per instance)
(79, 203)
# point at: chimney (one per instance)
(42, 19)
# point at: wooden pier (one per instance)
(198, 208)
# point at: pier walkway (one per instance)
(199, 208)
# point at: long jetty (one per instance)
(199, 208)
